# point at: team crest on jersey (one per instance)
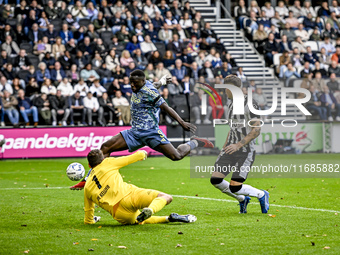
(135, 99)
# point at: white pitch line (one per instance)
(274, 205)
(203, 198)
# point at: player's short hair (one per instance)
(233, 80)
(138, 74)
(95, 157)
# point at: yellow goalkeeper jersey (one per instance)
(105, 186)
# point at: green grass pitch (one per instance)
(40, 214)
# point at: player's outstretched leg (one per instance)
(217, 180)
(182, 150)
(116, 143)
(238, 188)
(155, 206)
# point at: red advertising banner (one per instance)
(59, 142)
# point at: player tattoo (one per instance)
(243, 142)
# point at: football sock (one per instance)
(248, 190)
(193, 144)
(156, 219)
(224, 187)
(157, 204)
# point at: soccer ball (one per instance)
(75, 171)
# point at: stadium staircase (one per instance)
(245, 56)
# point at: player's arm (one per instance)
(255, 132)
(127, 160)
(89, 211)
(171, 112)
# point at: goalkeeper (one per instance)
(106, 188)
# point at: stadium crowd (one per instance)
(68, 62)
(300, 41)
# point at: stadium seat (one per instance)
(12, 22)
(84, 22)
(313, 45)
(23, 74)
(34, 60)
(161, 48)
(27, 46)
(276, 59)
(57, 24)
(106, 37)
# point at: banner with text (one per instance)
(59, 142)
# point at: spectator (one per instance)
(174, 87)
(157, 22)
(119, 7)
(125, 87)
(10, 103)
(240, 74)
(315, 35)
(48, 88)
(328, 100)
(306, 69)
(4, 85)
(292, 21)
(147, 46)
(319, 69)
(163, 8)
(260, 35)
(135, 11)
(290, 73)
(76, 104)
(334, 68)
(298, 43)
(188, 86)
(296, 9)
(284, 61)
(169, 60)
(194, 31)
(282, 9)
(336, 55)
(81, 87)
(112, 88)
(186, 58)
(179, 71)
(125, 58)
(42, 73)
(72, 74)
(161, 71)
(42, 47)
(278, 21)
(88, 74)
(51, 34)
(175, 46)
(207, 72)
(185, 22)
(92, 106)
(65, 87)
(308, 9)
(97, 89)
(106, 103)
(86, 46)
(165, 34)
(111, 60)
(329, 31)
(309, 22)
(318, 82)
(333, 84)
(65, 60)
(43, 106)
(333, 21)
(32, 88)
(10, 47)
(301, 32)
(155, 58)
(78, 11)
(175, 10)
(310, 57)
(49, 61)
(264, 21)
(183, 35)
(26, 107)
(57, 74)
(139, 32)
(268, 10)
(122, 104)
(150, 9)
(100, 23)
(35, 35)
(335, 8)
(285, 45)
(194, 72)
(193, 47)
(59, 106)
(314, 104)
(254, 8)
(152, 33)
(270, 48)
(329, 47)
(187, 8)
(118, 73)
(261, 100)
(288, 32)
(21, 62)
(223, 71)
